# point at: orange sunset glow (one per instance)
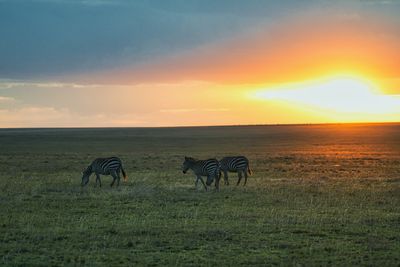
(346, 99)
(336, 62)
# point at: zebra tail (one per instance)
(124, 174)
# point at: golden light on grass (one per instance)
(340, 95)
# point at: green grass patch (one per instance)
(318, 196)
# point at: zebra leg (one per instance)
(240, 177)
(245, 176)
(98, 179)
(226, 181)
(202, 181)
(114, 178)
(217, 182)
(118, 179)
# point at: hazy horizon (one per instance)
(216, 126)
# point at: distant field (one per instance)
(319, 195)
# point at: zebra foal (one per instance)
(239, 164)
(105, 166)
(209, 168)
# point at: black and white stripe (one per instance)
(239, 164)
(105, 166)
(209, 168)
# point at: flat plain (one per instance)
(319, 195)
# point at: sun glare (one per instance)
(340, 94)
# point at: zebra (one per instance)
(209, 168)
(106, 166)
(239, 164)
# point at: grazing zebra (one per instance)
(209, 168)
(106, 166)
(239, 164)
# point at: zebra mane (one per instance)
(190, 159)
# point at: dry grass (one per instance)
(320, 195)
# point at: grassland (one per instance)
(319, 195)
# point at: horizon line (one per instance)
(207, 126)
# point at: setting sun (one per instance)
(339, 94)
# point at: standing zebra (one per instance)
(209, 168)
(239, 164)
(106, 166)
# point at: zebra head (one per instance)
(85, 175)
(187, 164)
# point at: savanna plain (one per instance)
(319, 195)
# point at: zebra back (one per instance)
(106, 165)
(234, 163)
(208, 167)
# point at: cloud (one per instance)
(380, 2)
(72, 2)
(54, 104)
(9, 84)
(36, 116)
(178, 110)
(302, 47)
(87, 36)
(185, 110)
(33, 117)
(36, 43)
(5, 99)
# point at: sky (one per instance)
(120, 63)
